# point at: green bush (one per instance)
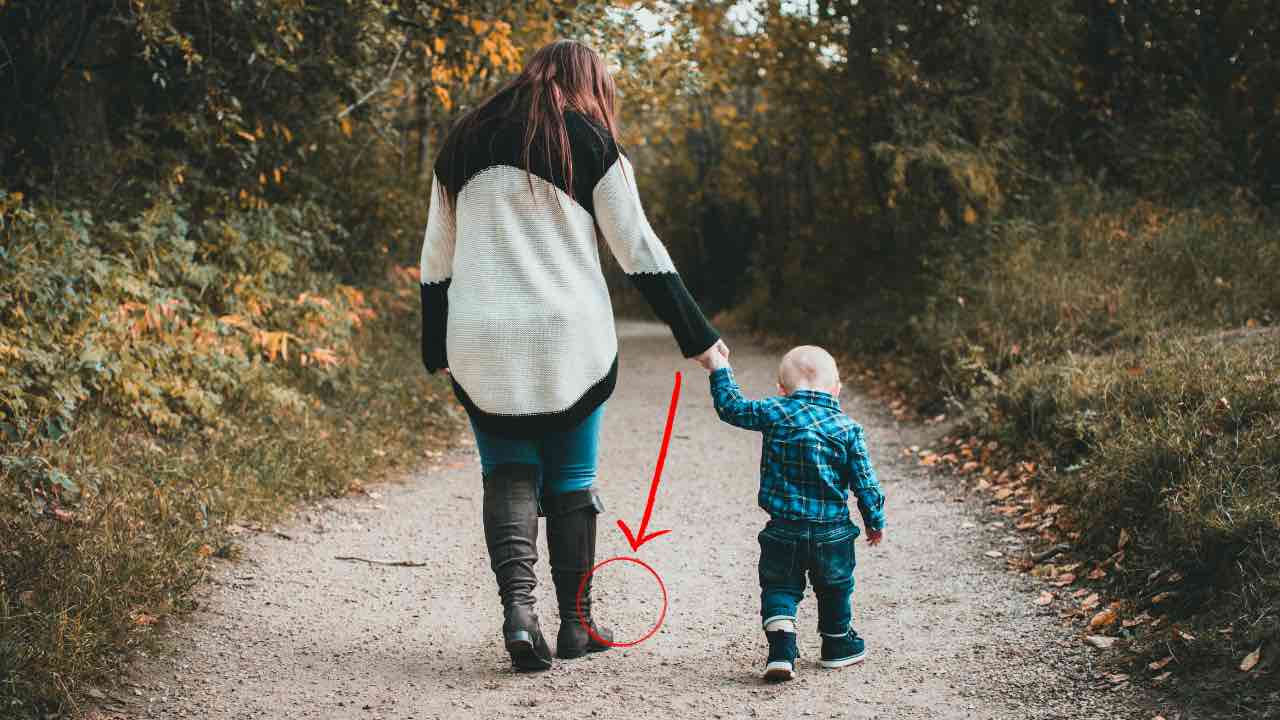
(1091, 275)
(163, 383)
(159, 320)
(88, 576)
(1178, 441)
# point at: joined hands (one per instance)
(714, 357)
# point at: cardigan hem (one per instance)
(540, 424)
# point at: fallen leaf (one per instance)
(1161, 677)
(1045, 598)
(1106, 618)
(1136, 621)
(1117, 678)
(143, 619)
(1184, 634)
(1159, 664)
(1124, 539)
(27, 598)
(1065, 580)
(1251, 660)
(204, 550)
(1162, 597)
(1100, 641)
(1046, 570)
(1091, 602)
(1020, 564)
(994, 554)
(1097, 574)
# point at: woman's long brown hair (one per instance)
(565, 75)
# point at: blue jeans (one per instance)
(566, 460)
(789, 549)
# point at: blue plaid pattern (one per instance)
(813, 456)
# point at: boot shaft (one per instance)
(571, 543)
(510, 513)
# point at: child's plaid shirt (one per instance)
(813, 454)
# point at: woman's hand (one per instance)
(714, 357)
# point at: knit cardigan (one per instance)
(514, 301)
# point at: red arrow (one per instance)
(635, 541)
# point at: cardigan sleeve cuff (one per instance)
(435, 316)
(666, 293)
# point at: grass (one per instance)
(145, 517)
(1175, 445)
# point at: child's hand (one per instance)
(874, 537)
(719, 359)
(714, 357)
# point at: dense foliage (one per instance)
(1055, 219)
(209, 216)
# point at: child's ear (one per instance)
(782, 389)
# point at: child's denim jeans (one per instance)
(789, 549)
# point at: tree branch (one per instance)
(365, 98)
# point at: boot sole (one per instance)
(779, 671)
(579, 652)
(524, 654)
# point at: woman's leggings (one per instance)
(566, 460)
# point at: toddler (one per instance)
(813, 457)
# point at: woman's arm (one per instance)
(436, 273)
(642, 256)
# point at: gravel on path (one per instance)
(291, 632)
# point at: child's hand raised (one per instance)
(714, 357)
(874, 537)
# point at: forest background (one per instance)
(1053, 221)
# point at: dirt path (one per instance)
(293, 633)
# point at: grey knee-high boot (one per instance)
(511, 532)
(571, 542)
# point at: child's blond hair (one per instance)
(808, 367)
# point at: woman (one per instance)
(515, 307)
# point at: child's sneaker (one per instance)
(846, 649)
(782, 656)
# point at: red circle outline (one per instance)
(587, 626)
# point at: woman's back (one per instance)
(515, 306)
(530, 315)
(515, 303)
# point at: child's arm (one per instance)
(865, 486)
(732, 407)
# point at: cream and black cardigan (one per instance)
(513, 298)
